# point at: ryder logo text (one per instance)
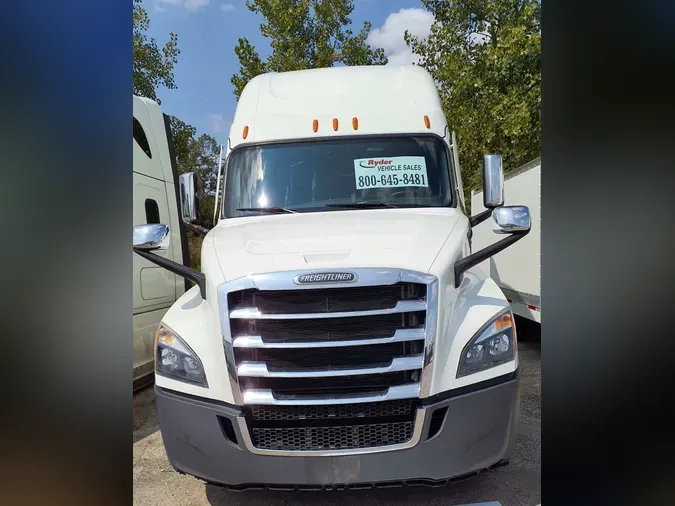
(371, 162)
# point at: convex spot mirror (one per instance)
(151, 237)
(509, 219)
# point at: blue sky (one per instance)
(207, 34)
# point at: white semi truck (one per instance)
(516, 270)
(339, 333)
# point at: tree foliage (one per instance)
(152, 67)
(304, 34)
(485, 56)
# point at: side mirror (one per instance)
(493, 181)
(151, 237)
(514, 221)
(509, 219)
(189, 201)
(156, 237)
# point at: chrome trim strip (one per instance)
(252, 313)
(368, 276)
(401, 335)
(266, 397)
(430, 324)
(259, 369)
(416, 436)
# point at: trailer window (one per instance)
(321, 175)
(141, 138)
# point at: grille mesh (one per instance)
(338, 411)
(332, 438)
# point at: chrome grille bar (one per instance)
(403, 306)
(401, 335)
(266, 397)
(259, 369)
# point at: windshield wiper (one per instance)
(363, 205)
(273, 210)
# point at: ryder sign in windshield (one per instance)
(390, 172)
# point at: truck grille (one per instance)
(336, 427)
(310, 361)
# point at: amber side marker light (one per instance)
(427, 122)
(245, 134)
(335, 124)
(504, 322)
(315, 125)
(355, 123)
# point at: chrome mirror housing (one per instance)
(493, 181)
(508, 219)
(151, 237)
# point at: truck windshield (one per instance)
(331, 175)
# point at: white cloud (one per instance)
(226, 7)
(390, 35)
(190, 5)
(217, 123)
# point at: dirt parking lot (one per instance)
(517, 484)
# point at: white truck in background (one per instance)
(340, 333)
(517, 270)
(155, 200)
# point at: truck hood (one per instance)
(399, 238)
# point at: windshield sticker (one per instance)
(392, 172)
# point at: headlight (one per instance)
(494, 345)
(175, 359)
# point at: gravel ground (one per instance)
(517, 484)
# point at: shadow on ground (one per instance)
(497, 485)
(145, 414)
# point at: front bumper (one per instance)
(478, 432)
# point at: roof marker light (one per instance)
(245, 134)
(355, 123)
(335, 124)
(315, 125)
(427, 122)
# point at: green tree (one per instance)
(304, 34)
(183, 135)
(485, 56)
(151, 67)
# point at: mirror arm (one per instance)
(180, 269)
(480, 217)
(467, 262)
(197, 229)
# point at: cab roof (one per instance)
(305, 104)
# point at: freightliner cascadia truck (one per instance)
(340, 332)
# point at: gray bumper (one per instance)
(478, 432)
